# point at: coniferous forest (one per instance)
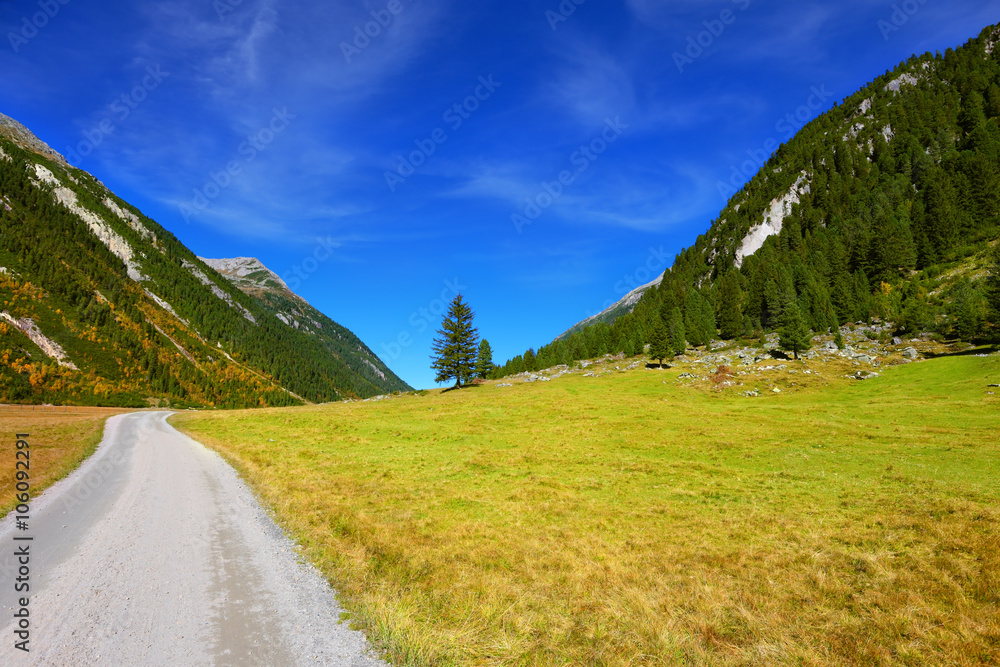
(162, 328)
(890, 209)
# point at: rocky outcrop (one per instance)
(217, 291)
(774, 217)
(900, 81)
(247, 272)
(375, 369)
(23, 137)
(130, 218)
(165, 306)
(110, 238)
(51, 348)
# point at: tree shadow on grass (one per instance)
(970, 352)
(464, 386)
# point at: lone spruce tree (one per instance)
(794, 332)
(993, 291)
(678, 341)
(455, 348)
(659, 343)
(699, 319)
(730, 310)
(484, 361)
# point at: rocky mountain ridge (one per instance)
(103, 305)
(22, 136)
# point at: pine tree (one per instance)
(892, 251)
(601, 340)
(693, 328)
(993, 290)
(455, 348)
(862, 296)
(484, 360)
(967, 310)
(708, 320)
(678, 342)
(530, 361)
(659, 343)
(794, 332)
(629, 348)
(730, 311)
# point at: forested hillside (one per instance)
(101, 305)
(887, 206)
(372, 376)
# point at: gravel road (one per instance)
(155, 553)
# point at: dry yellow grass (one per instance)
(59, 443)
(625, 520)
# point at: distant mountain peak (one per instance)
(103, 305)
(254, 279)
(247, 273)
(615, 310)
(24, 138)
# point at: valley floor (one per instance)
(621, 515)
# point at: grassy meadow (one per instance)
(59, 443)
(632, 519)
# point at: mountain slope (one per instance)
(871, 211)
(271, 292)
(103, 305)
(621, 307)
(19, 134)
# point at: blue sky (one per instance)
(281, 130)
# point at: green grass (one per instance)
(631, 519)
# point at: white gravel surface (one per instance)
(154, 552)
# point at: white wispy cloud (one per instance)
(233, 72)
(591, 85)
